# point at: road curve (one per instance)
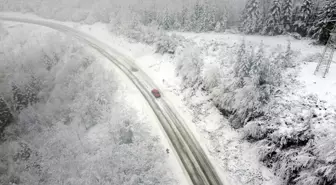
(195, 162)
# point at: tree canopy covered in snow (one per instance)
(286, 15)
(63, 119)
(304, 18)
(193, 15)
(325, 21)
(273, 24)
(254, 87)
(250, 20)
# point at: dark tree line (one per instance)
(307, 18)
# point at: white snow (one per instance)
(325, 88)
(133, 98)
(127, 91)
(242, 165)
(236, 159)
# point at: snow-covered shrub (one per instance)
(136, 32)
(90, 19)
(168, 43)
(211, 76)
(79, 15)
(299, 140)
(64, 14)
(256, 80)
(189, 67)
(254, 131)
(286, 58)
(313, 58)
(102, 10)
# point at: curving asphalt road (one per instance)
(195, 162)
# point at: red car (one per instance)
(156, 93)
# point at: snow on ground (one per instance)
(237, 159)
(133, 98)
(325, 88)
(303, 46)
(127, 91)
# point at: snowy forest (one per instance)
(247, 70)
(62, 120)
(307, 18)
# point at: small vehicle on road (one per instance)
(134, 69)
(156, 93)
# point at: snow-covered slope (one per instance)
(234, 156)
(85, 125)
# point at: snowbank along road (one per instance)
(195, 162)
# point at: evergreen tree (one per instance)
(325, 22)
(286, 15)
(273, 23)
(182, 18)
(296, 14)
(208, 21)
(167, 21)
(258, 60)
(196, 17)
(302, 23)
(243, 63)
(251, 19)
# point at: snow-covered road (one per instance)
(194, 160)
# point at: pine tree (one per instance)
(325, 22)
(258, 60)
(243, 63)
(195, 19)
(302, 24)
(273, 23)
(251, 19)
(286, 15)
(208, 20)
(182, 18)
(167, 21)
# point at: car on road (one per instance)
(156, 93)
(134, 69)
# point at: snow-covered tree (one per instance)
(273, 25)
(286, 15)
(189, 67)
(167, 20)
(209, 17)
(251, 19)
(302, 22)
(168, 43)
(258, 60)
(243, 63)
(182, 17)
(75, 132)
(211, 76)
(325, 22)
